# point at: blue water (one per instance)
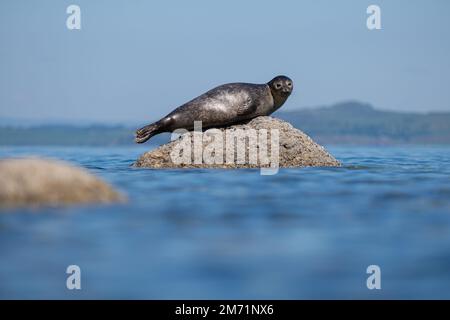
(233, 234)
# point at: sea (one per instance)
(376, 228)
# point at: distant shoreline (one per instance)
(348, 123)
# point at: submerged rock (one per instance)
(295, 148)
(33, 182)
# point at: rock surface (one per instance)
(34, 182)
(296, 149)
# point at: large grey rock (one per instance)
(33, 182)
(296, 149)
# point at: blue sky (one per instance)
(135, 61)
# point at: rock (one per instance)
(296, 149)
(33, 182)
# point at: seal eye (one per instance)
(277, 86)
(289, 84)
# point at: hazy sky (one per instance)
(135, 61)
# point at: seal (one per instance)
(224, 105)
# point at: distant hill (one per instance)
(64, 135)
(358, 123)
(70, 135)
(343, 123)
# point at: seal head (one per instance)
(281, 88)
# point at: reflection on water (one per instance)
(303, 233)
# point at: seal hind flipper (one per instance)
(145, 133)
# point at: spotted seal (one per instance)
(222, 106)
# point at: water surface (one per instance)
(234, 234)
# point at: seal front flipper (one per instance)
(247, 108)
(145, 133)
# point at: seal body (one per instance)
(224, 105)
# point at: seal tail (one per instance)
(145, 133)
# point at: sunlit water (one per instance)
(303, 233)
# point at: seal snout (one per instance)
(286, 90)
